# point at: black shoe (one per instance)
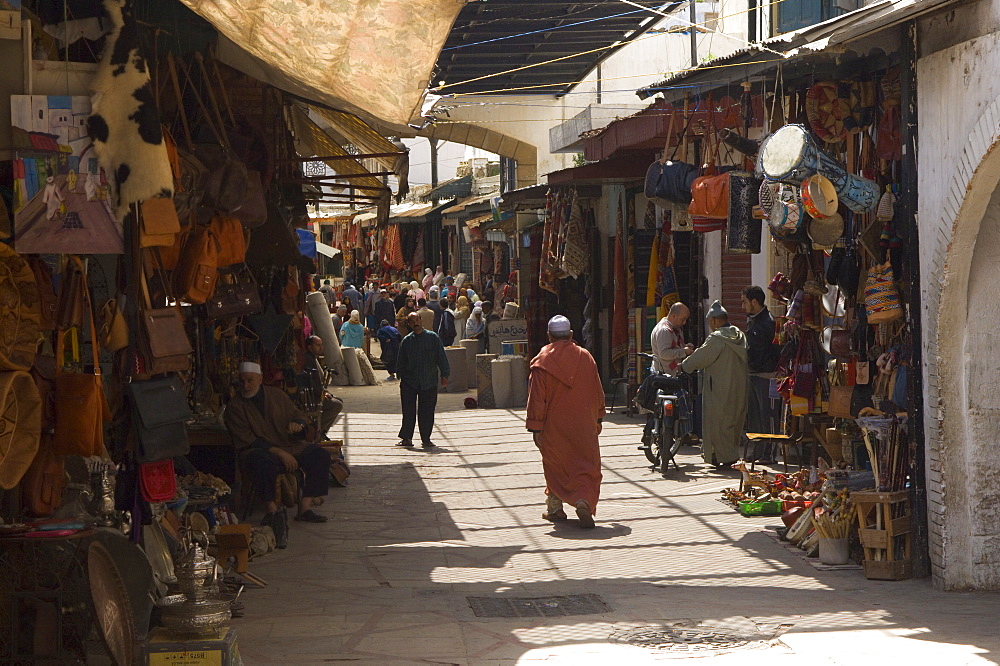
(405, 442)
(280, 528)
(310, 516)
(428, 445)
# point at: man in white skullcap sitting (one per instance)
(268, 431)
(565, 412)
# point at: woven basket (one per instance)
(882, 302)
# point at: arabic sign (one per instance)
(505, 330)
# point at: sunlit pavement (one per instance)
(416, 533)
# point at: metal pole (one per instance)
(434, 162)
(692, 17)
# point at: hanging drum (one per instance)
(791, 155)
(743, 231)
(20, 311)
(826, 231)
(819, 196)
(20, 426)
(787, 217)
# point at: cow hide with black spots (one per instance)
(125, 123)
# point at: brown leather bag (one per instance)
(113, 331)
(840, 401)
(710, 196)
(159, 223)
(232, 241)
(253, 212)
(80, 405)
(48, 302)
(43, 484)
(163, 342)
(197, 268)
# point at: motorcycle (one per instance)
(667, 398)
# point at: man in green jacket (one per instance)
(420, 362)
(723, 357)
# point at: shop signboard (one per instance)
(505, 330)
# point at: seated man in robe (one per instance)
(268, 430)
(311, 383)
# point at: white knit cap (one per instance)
(250, 366)
(559, 324)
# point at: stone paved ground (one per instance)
(417, 533)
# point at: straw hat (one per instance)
(20, 426)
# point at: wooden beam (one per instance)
(329, 158)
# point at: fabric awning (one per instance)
(326, 250)
(316, 141)
(369, 56)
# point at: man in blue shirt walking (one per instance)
(420, 362)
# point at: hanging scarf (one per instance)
(620, 318)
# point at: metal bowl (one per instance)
(181, 615)
(198, 625)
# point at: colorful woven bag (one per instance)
(881, 298)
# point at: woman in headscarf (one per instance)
(389, 339)
(439, 276)
(476, 324)
(416, 292)
(402, 325)
(352, 333)
(428, 279)
(471, 293)
(462, 312)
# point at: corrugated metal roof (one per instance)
(471, 201)
(813, 39)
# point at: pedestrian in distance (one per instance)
(420, 366)
(565, 416)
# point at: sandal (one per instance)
(556, 517)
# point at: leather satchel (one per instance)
(669, 182)
(710, 196)
(197, 267)
(163, 341)
(80, 405)
(840, 401)
(253, 212)
(158, 222)
(229, 234)
(160, 410)
(113, 331)
(234, 298)
(43, 484)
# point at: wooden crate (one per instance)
(885, 532)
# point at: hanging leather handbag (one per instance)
(158, 222)
(163, 342)
(231, 240)
(158, 481)
(160, 410)
(253, 212)
(113, 331)
(743, 230)
(235, 296)
(43, 484)
(80, 405)
(840, 401)
(197, 271)
(46, 293)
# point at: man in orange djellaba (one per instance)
(565, 411)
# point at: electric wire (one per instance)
(535, 32)
(758, 45)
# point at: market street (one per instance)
(416, 533)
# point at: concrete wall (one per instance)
(958, 80)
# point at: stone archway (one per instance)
(963, 363)
(504, 145)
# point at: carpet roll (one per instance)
(319, 316)
(484, 380)
(353, 366)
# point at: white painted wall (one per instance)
(958, 79)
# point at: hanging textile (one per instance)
(546, 275)
(620, 318)
(652, 276)
(629, 233)
(575, 252)
(666, 285)
(417, 262)
(392, 249)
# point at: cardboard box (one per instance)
(166, 649)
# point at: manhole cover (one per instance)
(577, 604)
(684, 639)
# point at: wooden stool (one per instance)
(784, 440)
(233, 541)
(885, 532)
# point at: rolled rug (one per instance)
(459, 380)
(484, 380)
(367, 371)
(471, 350)
(353, 366)
(518, 381)
(319, 316)
(501, 371)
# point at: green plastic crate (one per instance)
(772, 508)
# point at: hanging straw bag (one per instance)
(882, 302)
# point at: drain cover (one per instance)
(577, 604)
(684, 639)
